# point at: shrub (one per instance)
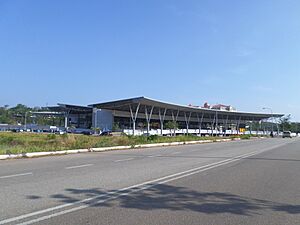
(6, 139)
(51, 136)
(152, 138)
(245, 136)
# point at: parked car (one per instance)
(286, 134)
(86, 132)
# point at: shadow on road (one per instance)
(168, 197)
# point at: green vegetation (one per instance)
(13, 143)
(16, 115)
(285, 124)
(246, 136)
(172, 126)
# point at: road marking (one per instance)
(80, 166)
(118, 193)
(16, 175)
(144, 186)
(153, 156)
(123, 160)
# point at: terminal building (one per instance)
(141, 115)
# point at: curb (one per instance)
(65, 152)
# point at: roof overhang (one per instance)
(71, 108)
(48, 113)
(124, 104)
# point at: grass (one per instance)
(14, 143)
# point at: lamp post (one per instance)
(25, 120)
(266, 108)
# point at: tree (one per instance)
(172, 125)
(295, 127)
(116, 126)
(16, 114)
(5, 115)
(285, 123)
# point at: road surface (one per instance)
(243, 182)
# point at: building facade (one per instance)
(144, 115)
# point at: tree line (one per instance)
(18, 114)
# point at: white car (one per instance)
(286, 134)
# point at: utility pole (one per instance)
(272, 121)
(25, 120)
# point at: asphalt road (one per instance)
(243, 182)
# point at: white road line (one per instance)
(156, 181)
(123, 160)
(135, 188)
(153, 156)
(80, 166)
(16, 175)
(166, 178)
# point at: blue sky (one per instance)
(243, 53)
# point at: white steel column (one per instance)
(217, 123)
(200, 122)
(162, 118)
(175, 119)
(251, 126)
(67, 119)
(226, 124)
(212, 125)
(187, 121)
(148, 118)
(238, 125)
(134, 116)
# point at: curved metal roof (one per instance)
(123, 105)
(72, 108)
